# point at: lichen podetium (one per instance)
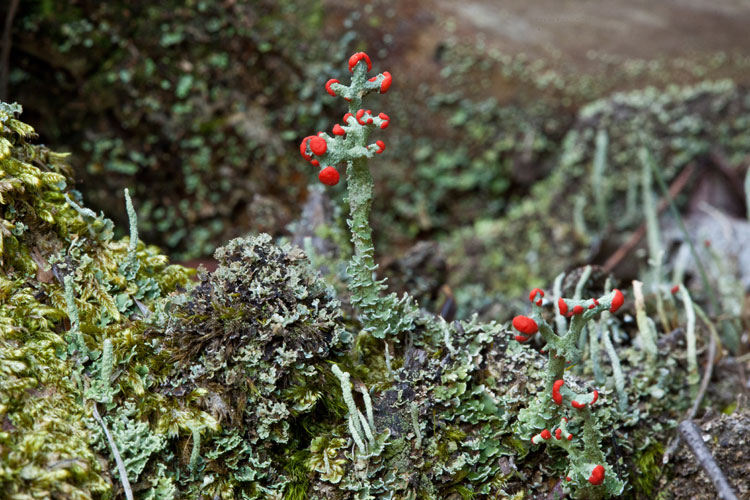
(588, 468)
(382, 316)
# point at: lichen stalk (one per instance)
(364, 287)
(597, 177)
(380, 315)
(346, 391)
(414, 410)
(646, 326)
(129, 268)
(692, 356)
(560, 322)
(76, 341)
(588, 463)
(619, 378)
(655, 250)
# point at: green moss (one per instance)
(649, 469)
(295, 469)
(50, 376)
(730, 408)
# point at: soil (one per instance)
(726, 438)
(638, 29)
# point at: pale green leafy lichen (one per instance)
(248, 384)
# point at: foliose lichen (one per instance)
(121, 377)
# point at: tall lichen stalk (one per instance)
(548, 415)
(362, 266)
(382, 316)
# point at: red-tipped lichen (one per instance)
(617, 301)
(328, 86)
(597, 475)
(525, 325)
(556, 396)
(534, 293)
(356, 58)
(318, 145)
(303, 148)
(386, 83)
(329, 176)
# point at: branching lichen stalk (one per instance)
(543, 416)
(381, 316)
(355, 426)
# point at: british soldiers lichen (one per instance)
(382, 316)
(587, 462)
(119, 376)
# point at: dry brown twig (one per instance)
(692, 436)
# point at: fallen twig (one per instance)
(692, 437)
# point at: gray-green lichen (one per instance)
(252, 382)
(577, 209)
(251, 343)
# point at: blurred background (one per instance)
(513, 146)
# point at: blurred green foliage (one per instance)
(574, 216)
(199, 106)
(195, 104)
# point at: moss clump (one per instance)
(255, 338)
(648, 470)
(51, 345)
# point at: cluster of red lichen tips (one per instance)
(617, 301)
(525, 325)
(528, 326)
(317, 149)
(597, 475)
(561, 433)
(557, 396)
